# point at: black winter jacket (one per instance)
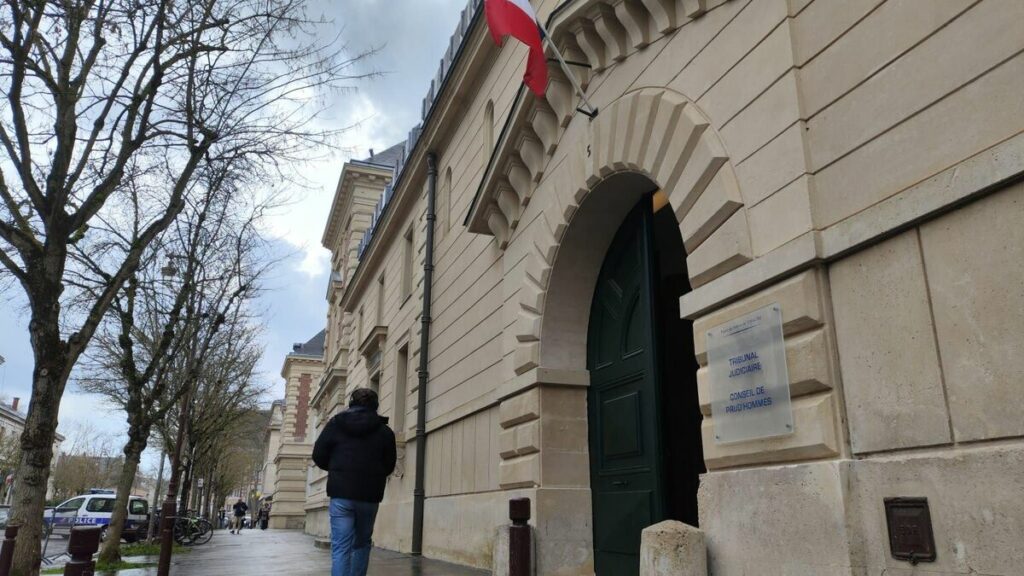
(357, 448)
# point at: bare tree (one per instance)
(227, 392)
(89, 460)
(231, 473)
(101, 96)
(156, 321)
(232, 458)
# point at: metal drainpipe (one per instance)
(419, 493)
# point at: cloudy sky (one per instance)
(411, 36)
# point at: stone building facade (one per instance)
(302, 368)
(359, 188)
(855, 164)
(271, 445)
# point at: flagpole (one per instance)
(567, 71)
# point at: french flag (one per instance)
(517, 19)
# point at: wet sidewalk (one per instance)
(291, 553)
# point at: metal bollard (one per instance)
(83, 543)
(7, 550)
(519, 561)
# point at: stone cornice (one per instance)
(315, 362)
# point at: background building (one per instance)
(12, 424)
(272, 444)
(359, 189)
(853, 166)
(302, 367)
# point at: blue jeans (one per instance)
(351, 536)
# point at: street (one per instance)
(56, 547)
(288, 552)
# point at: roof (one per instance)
(313, 347)
(388, 157)
(12, 413)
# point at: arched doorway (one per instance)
(643, 413)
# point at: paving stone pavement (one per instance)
(290, 553)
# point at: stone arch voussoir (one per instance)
(664, 136)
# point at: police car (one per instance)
(95, 509)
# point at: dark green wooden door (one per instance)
(622, 402)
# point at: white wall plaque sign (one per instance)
(748, 377)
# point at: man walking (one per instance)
(357, 448)
(240, 508)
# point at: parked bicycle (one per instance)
(192, 530)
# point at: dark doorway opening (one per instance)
(644, 415)
(682, 450)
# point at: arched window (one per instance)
(488, 131)
(447, 200)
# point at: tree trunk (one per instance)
(111, 550)
(210, 508)
(204, 502)
(186, 486)
(48, 380)
(151, 529)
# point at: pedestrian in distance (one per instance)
(264, 516)
(240, 509)
(357, 449)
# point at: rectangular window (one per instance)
(339, 317)
(375, 383)
(100, 505)
(401, 389)
(71, 505)
(407, 261)
(360, 328)
(445, 211)
(138, 507)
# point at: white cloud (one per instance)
(94, 411)
(315, 262)
(301, 222)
